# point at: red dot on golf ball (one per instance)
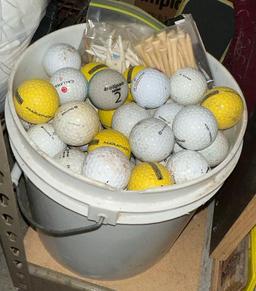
(64, 89)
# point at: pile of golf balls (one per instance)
(135, 131)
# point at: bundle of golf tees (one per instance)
(167, 51)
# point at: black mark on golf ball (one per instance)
(65, 154)
(38, 114)
(116, 145)
(18, 97)
(156, 170)
(64, 83)
(94, 142)
(209, 131)
(162, 118)
(114, 86)
(137, 81)
(180, 140)
(96, 68)
(162, 130)
(70, 109)
(47, 132)
(212, 93)
(129, 75)
(186, 77)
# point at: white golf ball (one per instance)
(70, 84)
(76, 123)
(126, 116)
(71, 159)
(108, 89)
(151, 140)
(187, 86)
(217, 151)
(109, 166)
(61, 56)
(187, 165)
(195, 127)
(167, 112)
(150, 88)
(46, 139)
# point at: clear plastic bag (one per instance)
(112, 30)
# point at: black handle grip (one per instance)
(54, 232)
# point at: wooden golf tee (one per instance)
(164, 54)
(154, 61)
(190, 51)
(140, 50)
(156, 46)
(182, 46)
(172, 42)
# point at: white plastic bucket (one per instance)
(139, 227)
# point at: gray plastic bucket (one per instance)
(139, 227)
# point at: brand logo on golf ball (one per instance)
(64, 89)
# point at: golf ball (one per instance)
(187, 86)
(71, 159)
(70, 85)
(46, 139)
(108, 89)
(195, 127)
(167, 112)
(149, 175)
(151, 140)
(90, 69)
(109, 166)
(61, 56)
(226, 105)
(36, 101)
(216, 152)
(76, 123)
(127, 116)
(111, 138)
(187, 165)
(150, 88)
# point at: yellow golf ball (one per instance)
(225, 104)
(90, 69)
(106, 116)
(111, 138)
(36, 101)
(129, 75)
(149, 175)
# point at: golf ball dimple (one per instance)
(167, 112)
(127, 116)
(217, 151)
(70, 85)
(109, 166)
(150, 88)
(36, 101)
(149, 175)
(187, 165)
(187, 86)
(195, 127)
(71, 159)
(61, 56)
(46, 139)
(108, 89)
(76, 123)
(151, 140)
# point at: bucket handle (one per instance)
(54, 232)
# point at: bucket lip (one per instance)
(94, 183)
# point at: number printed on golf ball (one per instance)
(70, 84)
(150, 88)
(46, 139)
(76, 123)
(127, 116)
(187, 165)
(151, 140)
(61, 56)
(109, 166)
(187, 86)
(108, 89)
(195, 127)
